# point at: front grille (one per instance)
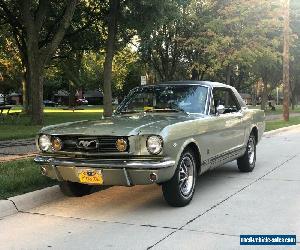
(92, 144)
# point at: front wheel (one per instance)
(246, 163)
(75, 189)
(179, 191)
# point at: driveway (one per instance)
(227, 203)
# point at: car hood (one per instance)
(122, 125)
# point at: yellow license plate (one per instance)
(91, 177)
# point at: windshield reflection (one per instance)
(169, 98)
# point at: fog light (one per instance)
(121, 145)
(153, 177)
(57, 144)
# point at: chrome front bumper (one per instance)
(114, 172)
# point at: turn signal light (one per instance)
(121, 145)
(57, 144)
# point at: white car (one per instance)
(1, 99)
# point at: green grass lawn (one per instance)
(21, 128)
(271, 125)
(278, 109)
(21, 176)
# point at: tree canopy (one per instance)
(74, 44)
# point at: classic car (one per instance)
(167, 134)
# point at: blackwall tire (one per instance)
(179, 191)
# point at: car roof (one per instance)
(193, 82)
(209, 84)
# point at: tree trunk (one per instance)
(293, 100)
(286, 62)
(26, 92)
(254, 95)
(36, 90)
(38, 57)
(110, 50)
(72, 92)
(264, 96)
(195, 74)
(228, 75)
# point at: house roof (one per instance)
(62, 93)
(92, 93)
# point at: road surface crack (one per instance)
(222, 201)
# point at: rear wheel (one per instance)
(75, 189)
(246, 163)
(179, 191)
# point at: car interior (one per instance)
(223, 96)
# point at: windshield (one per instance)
(169, 98)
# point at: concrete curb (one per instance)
(28, 201)
(279, 130)
(7, 208)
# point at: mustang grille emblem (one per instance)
(88, 144)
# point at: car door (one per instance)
(232, 135)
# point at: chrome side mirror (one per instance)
(220, 109)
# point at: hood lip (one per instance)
(53, 126)
(133, 130)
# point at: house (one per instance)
(94, 97)
(15, 98)
(62, 97)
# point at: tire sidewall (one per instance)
(252, 166)
(189, 154)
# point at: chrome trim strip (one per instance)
(127, 177)
(225, 157)
(42, 160)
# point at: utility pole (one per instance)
(286, 61)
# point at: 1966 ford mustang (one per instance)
(166, 134)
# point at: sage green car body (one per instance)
(216, 139)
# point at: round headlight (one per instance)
(44, 142)
(154, 144)
(57, 144)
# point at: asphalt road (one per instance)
(227, 203)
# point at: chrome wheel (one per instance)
(186, 175)
(251, 150)
(246, 163)
(179, 190)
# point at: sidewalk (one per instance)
(17, 149)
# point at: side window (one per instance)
(225, 97)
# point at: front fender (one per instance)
(174, 149)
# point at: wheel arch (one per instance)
(193, 145)
(254, 131)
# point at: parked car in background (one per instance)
(1, 99)
(48, 103)
(166, 134)
(82, 101)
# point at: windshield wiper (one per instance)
(165, 110)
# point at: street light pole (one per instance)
(286, 61)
